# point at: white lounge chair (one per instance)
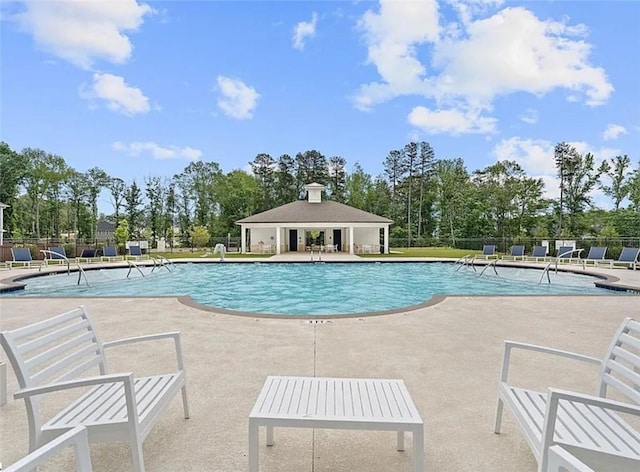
(597, 256)
(538, 253)
(488, 251)
(22, 256)
(110, 254)
(135, 252)
(589, 427)
(517, 252)
(629, 257)
(117, 407)
(76, 438)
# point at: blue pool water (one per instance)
(309, 289)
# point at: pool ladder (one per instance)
(81, 272)
(490, 264)
(319, 255)
(465, 261)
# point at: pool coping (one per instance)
(609, 282)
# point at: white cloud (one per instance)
(477, 59)
(392, 36)
(450, 121)
(304, 30)
(118, 95)
(614, 131)
(157, 152)
(514, 51)
(83, 31)
(534, 155)
(238, 100)
(529, 116)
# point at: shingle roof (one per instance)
(304, 212)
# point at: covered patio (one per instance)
(315, 225)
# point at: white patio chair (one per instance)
(590, 427)
(77, 438)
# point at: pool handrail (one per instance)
(81, 271)
(560, 256)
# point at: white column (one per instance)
(278, 230)
(386, 239)
(243, 239)
(351, 238)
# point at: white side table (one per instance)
(314, 402)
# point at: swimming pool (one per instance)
(309, 289)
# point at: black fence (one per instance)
(233, 244)
(503, 245)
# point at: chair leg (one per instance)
(136, 456)
(498, 417)
(185, 402)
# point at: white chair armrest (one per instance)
(77, 437)
(77, 383)
(510, 345)
(557, 394)
(176, 335)
(551, 415)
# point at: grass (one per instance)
(204, 255)
(425, 252)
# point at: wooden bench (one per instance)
(59, 354)
(592, 428)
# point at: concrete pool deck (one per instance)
(448, 355)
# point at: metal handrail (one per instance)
(81, 271)
(60, 256)
(464, 261)
(490, 264)
(546, 271)
(579, 251)
(131, 266)
(159, 261)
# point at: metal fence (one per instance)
(503, 245)
(233, 244)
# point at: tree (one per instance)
(577, 179)
(42, 171)
(286, 187)
(96, 180)
(617, 171)
(199, 236)
(263, 167)
(426, 160)
(634, 189)
(451, 183)
(117, 187)
(337, 178)
(156, 196)
(311, 167)
(121, 234)
(133, 210)
(13, 168)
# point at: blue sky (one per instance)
(141, 88)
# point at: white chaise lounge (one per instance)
(591, 428)
(60, 353)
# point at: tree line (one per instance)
(427, 197)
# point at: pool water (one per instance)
(310, 289)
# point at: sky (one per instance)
(142, 88)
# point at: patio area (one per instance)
(448, 355)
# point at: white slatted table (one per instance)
(314, 402)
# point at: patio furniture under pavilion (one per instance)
(339, 227)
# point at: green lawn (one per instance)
(425, 252)
(204, 255)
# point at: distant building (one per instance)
(106, 231)
(296, 226)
